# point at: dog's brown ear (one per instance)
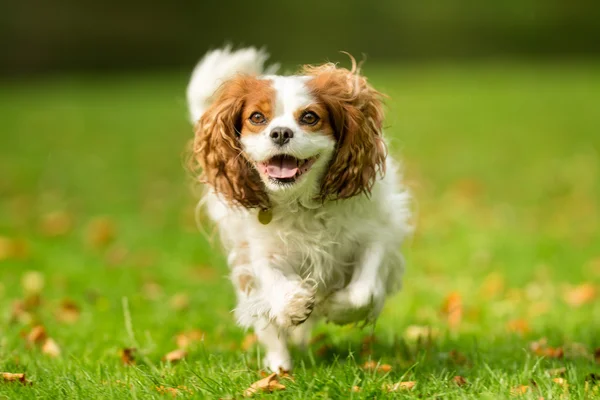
(217, 153)
(356, 112)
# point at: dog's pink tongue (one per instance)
(282, 167)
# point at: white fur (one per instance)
(338, 260)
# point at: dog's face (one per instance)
(275, 137)
(286, 133)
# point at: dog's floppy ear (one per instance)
(217, 153)
(356, 111)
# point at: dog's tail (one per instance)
(216, 67)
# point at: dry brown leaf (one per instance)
(268, 384)
(152, 290)
(520, 326)
(580, 295)
(189, 338)
(101, 231)
(459, 380)
(457, 357)
(167, 390)
(519, 390)
(453, 309)
(175, 355)
(249, 341)
(32, 282)
(180, 301)
(50, 348)
(128, 355)
(11, 377)
(597, 355)
(395, 387)
(375, 366)
(37, 335)
(68, 312)
(355, 389)
(542, 349)
(57, 223)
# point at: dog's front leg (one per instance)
(363, 298)
(290, 299)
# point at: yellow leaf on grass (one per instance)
(268, 384)
(37, 335)
(32, 282)
(50, 348)
(167, 390)
(68, 312)
(395, 387)
(11, 377)
(453, 309)
(189, 338)
(519, 390)
(375, 366)
(542, 349)
(520, 326)
(580, 295)
(175, 355)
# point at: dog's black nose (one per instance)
(281, 136)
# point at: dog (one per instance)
(308, 204)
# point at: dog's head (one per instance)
(275, 138)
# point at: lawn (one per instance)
(98, 244)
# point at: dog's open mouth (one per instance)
(284, 168)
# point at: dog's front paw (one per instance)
(292, 303)
(356, 302)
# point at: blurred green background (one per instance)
(493, 108)
(40, 36)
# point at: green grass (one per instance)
(504, 162)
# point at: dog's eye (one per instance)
(309, 118)
(257, 118)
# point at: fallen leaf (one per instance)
(560, 381)
(167, 390)
(152, 290)
(32, 282)
(175, 355)
(457, 357)
(68, 312)
(375, 366)
(542, 349)
(453, 309)
(597, 355)
(37, 335)
(10, 377)
(580, 295)
(50, 348)
(355, 389)
(520, 326)
(101, 231)
(180, 301)
(395, 387)
(249, 342)
(189, 338)
(268, 385)
(128, 355)
(459, 380)
(519, 390)
(56, 223)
